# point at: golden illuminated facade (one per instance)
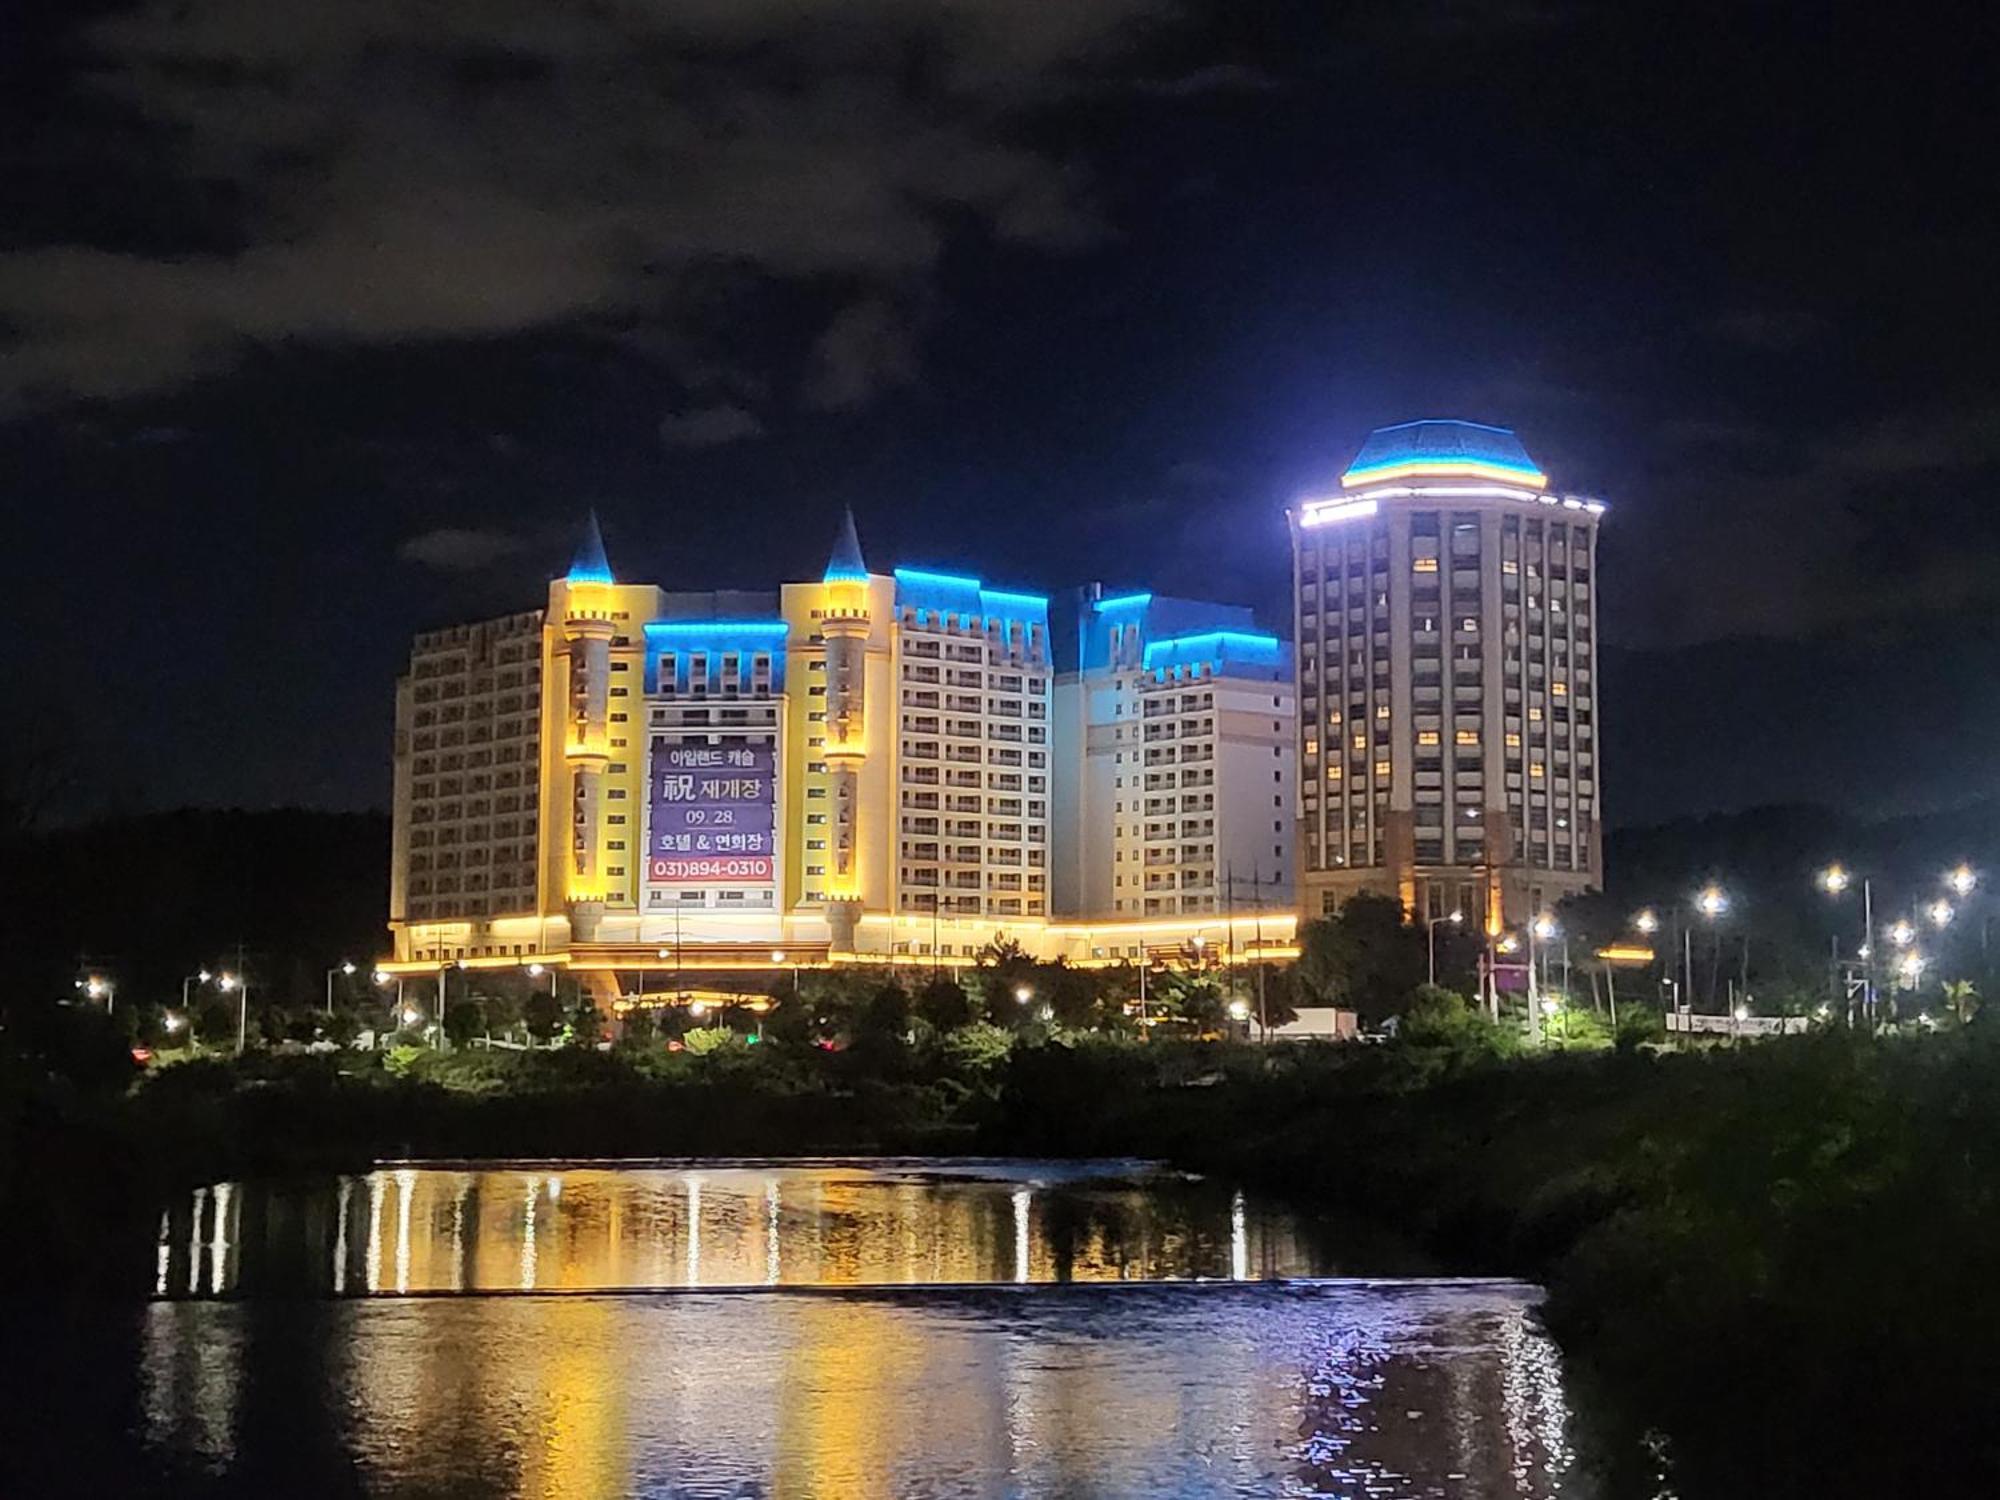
(855, 769)
(1447, 679)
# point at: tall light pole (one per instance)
(1834, 880)
(1540, 930)
(1962, 881)
(1711, 903)
(201, 976)
(345, 966)
(1431, 940)
(241, 985)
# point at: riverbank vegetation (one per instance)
(1784, 1254)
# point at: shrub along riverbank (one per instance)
(1786, 1256)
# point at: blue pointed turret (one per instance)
(846, 564)
(590, 564)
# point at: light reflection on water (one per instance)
(1374, 1389)
(533, 1228)
(1238, 1387)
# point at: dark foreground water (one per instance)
(822, 1330)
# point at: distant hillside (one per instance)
(154, 897)
(1889, 716)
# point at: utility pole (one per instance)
(1257, 946)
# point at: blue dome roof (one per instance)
(1441, 446)
(846, 565)
(590, 564)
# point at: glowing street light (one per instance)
(1545, 928)
(1901, 933)
(1239, 1010)
(1940, 912)
(1456, 917)
(380, 976)
(1024, 994)
(1962, 880)
(1711, 903)
(241, 986)
(1833, 880)
(1911, 967)
(1647, 922)
(345, 966)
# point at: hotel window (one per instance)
(1382, 769)
(1466, 737)
(1427, 737)
(1534, 768)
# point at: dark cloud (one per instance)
(468, 168)
(865, 349)
(709, 427)
(1217, 78)
(461, 549)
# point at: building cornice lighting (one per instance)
(1332, 512)
(1442, 468)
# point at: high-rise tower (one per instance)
(844, 622)
(587, 629)
(1446, 614)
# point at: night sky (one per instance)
(324, 323)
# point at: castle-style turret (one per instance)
(845, 624)
(587, 631)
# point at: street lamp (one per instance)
(1239, 1010)
(1833, 879)
(1711, 903)
(242, 987)
(345, 966)
(1962, 880)
(1024, 994)
(1431, 940)
(1647, 922)
(1540, 930)
(201, 976)
(1940, 912)
(1901, 933)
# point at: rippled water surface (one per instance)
(825, 1330)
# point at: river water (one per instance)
(833, 1330)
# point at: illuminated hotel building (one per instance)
(1175, 730)
(860, 768)
(1446, 618)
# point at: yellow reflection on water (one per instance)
(407, 1230)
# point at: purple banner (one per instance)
(714, 810)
